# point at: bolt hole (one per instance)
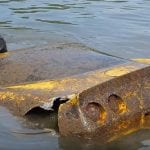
(147, 114)
(95, 112)
(116, 104)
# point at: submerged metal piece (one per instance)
(43, 93)
(109, 102)
(50, 62)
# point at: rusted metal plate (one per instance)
(27, 96)
(50, 62)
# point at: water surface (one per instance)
(118, 27)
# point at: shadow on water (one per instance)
(40, 118)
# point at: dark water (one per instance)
(118, 27)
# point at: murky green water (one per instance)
(117, 27)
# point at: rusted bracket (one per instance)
(108, 102)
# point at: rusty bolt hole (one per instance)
(95, 112)
(40, 118)
(147, 114)
(116, 104)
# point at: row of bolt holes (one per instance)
(96, 112)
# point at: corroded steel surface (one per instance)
(109, 102)
(29, 95)
(50, 62)
(116, 106)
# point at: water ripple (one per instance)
(115, 26)
(53, 21)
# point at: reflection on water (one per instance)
(136, 141)
(119, 27)
(36, 133)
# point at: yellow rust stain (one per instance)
(3, 55)
(17, 98)
(47, 85)
(143, 60)
(142, 120)
(102, 118)
(129, 94)
(119, 71)
(10, 96)
(74, 99)
(124, 125)
(122, 108)
(5, 95)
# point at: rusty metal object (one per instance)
(118, 105)
(109, 102)
(50, 62)
(34, 94)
